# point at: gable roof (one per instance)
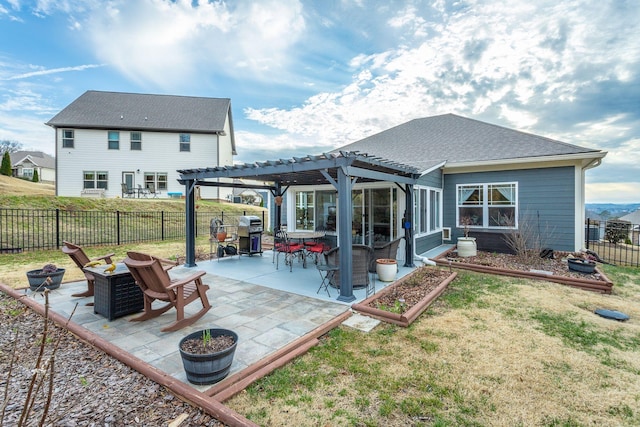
(135, 111)
(633, 217)
(38, 158)
(425, 143)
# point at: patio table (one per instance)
(116, 294)
(304, 235)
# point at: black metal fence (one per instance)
(33, 229)
(615, 241)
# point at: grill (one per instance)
(250, 234)
(248, 225)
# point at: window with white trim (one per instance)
(185, 142)
(159, 179)
(95, 179)
(487, 205)
(136, 141)
(427, 210)
(113, 140)
(67, 138)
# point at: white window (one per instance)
(136, 141)
(114, 140)
(427, 210)
(27, 172)
(185, 142)
(487, 205)
(159, 179)
(67, 138)
(95, 179)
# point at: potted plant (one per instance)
(47, 277)
(207, 355)
(386, 269)
(467, 245)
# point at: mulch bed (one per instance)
(90, 387)
(532, 267)
(403, 301)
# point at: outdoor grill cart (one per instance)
(250, 234)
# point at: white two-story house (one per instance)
(113, 144)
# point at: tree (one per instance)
(5, 168)
(35, 176)
(10, 146)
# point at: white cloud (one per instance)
(41, 71)
(511, 61)
(166, 43)
(619, 192)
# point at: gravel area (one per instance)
(90, 388)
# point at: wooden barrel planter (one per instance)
(208, 368)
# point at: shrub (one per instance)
(617, 230)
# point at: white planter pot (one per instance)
(386, 269)
(467, 247)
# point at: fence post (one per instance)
(588, 233)
(118, 226)
(57, 228)
(162, 224)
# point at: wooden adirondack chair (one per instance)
(156, 284)
(81, 259)
(167, 264)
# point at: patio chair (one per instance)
(388, 250)
(361, 258)
(80, 259)
(127, 191)
(144, 192)
(167, 264)
(151, 188)
(155, 283)
(291, 250)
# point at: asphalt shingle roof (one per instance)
(117, 110)
(427, 142)
(37, 157)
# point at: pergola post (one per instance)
(408, 227)
(190, 223)
(278, 210)
(345, 225)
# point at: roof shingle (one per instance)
(117, 110)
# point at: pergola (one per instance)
(342, 170)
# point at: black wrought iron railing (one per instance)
(614, 241)
(34, 229)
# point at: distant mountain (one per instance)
(604, 211)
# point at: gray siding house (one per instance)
(493, 178)
(425, 181)
(25, 163)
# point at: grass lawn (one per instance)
(491, 351)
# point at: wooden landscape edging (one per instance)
(234, 384)
(406, 318)
(602, 286)
(181, 390)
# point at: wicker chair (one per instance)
(388, 250)
(361, 256)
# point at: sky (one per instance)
(305, 77)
